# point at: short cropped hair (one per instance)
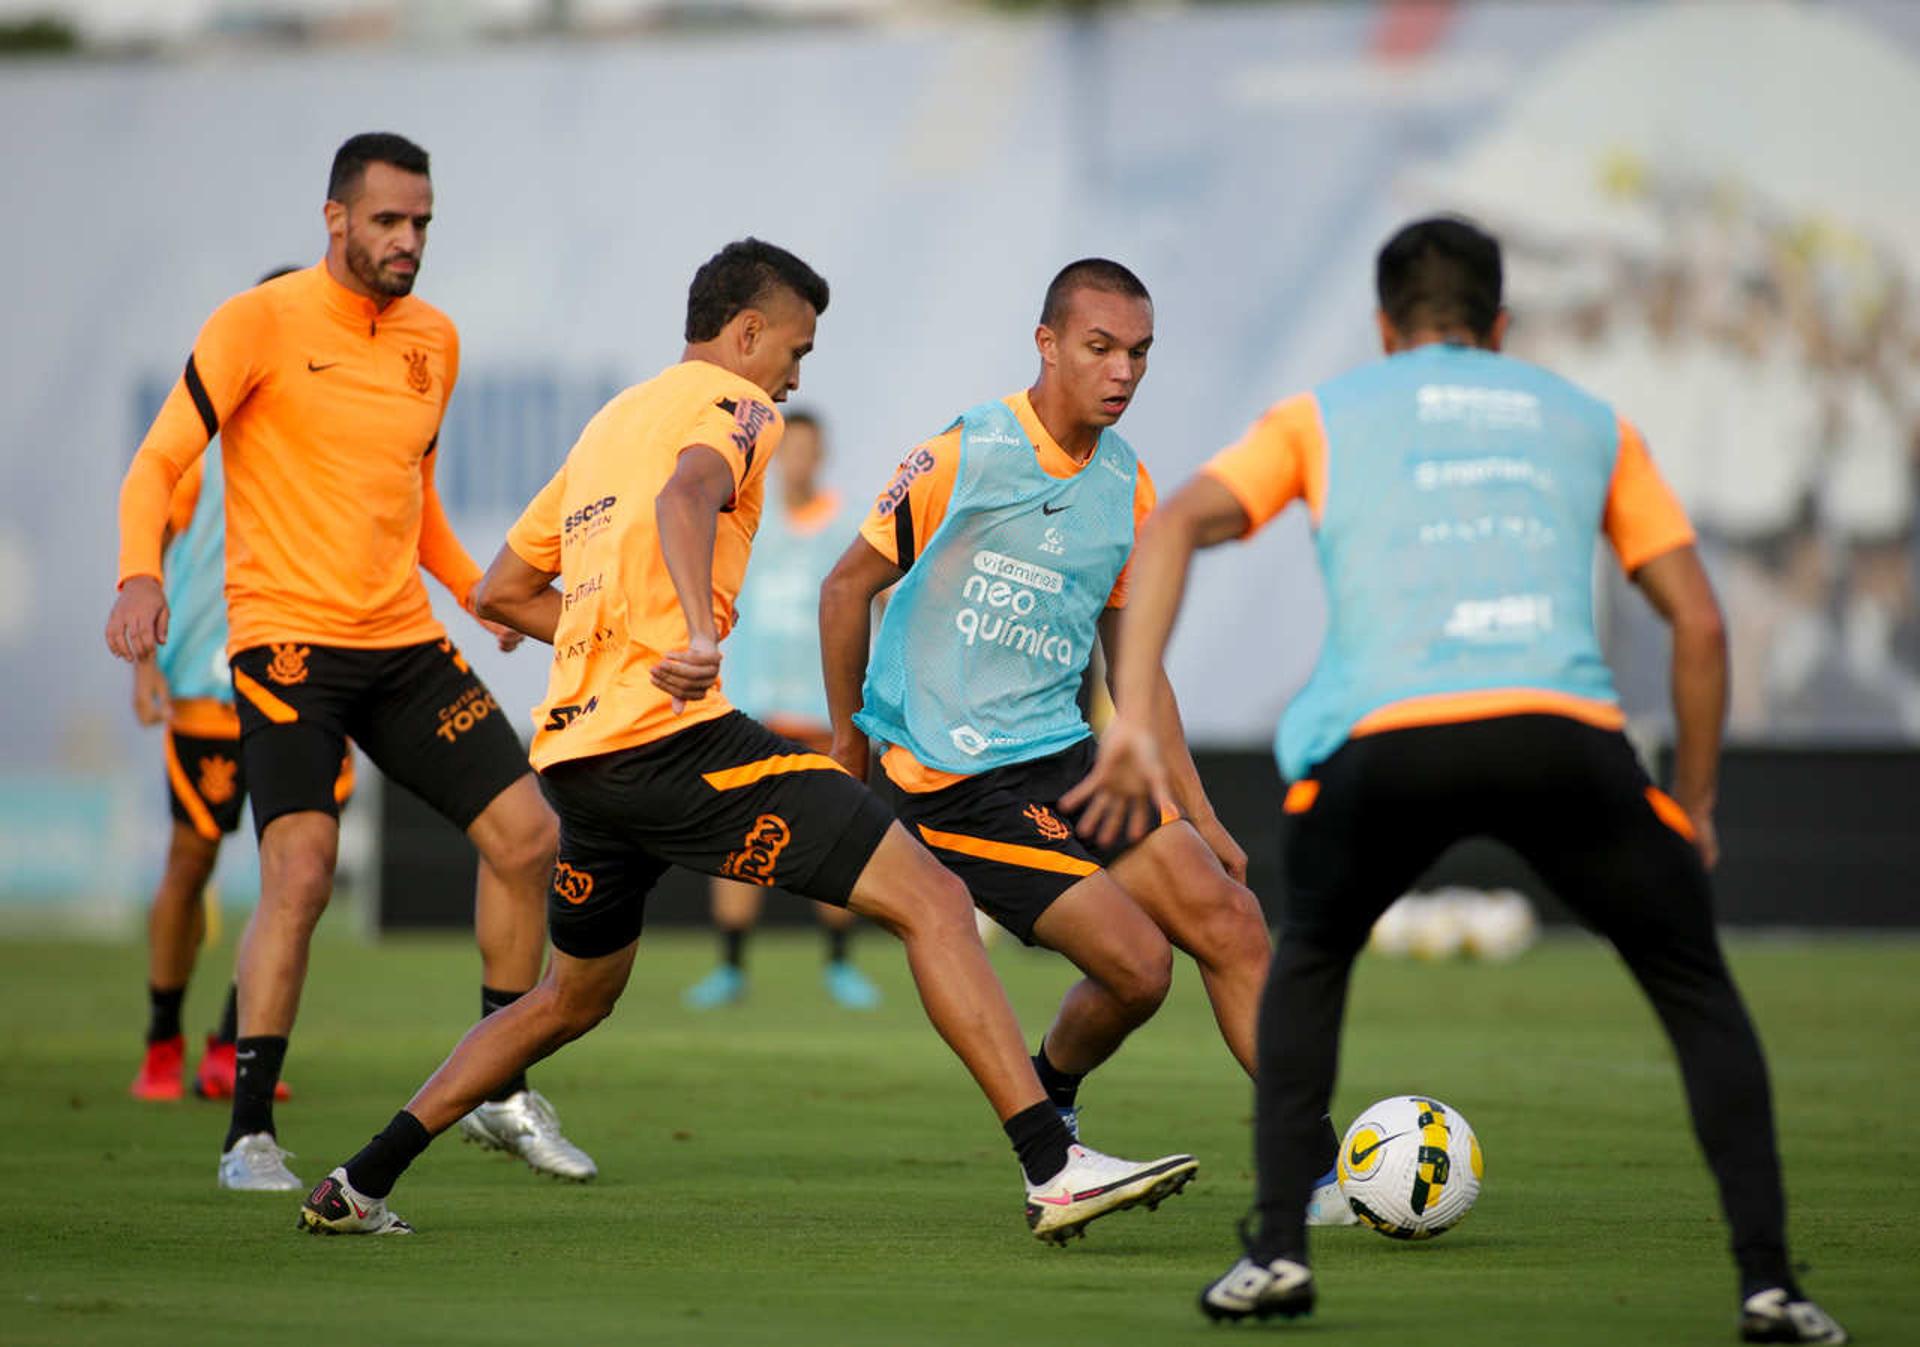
(1440, 272)
(744, 275)
(371, 147)
(1089, 273)
(802, 417)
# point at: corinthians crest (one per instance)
(419, 377)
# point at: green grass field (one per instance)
(788, 1173)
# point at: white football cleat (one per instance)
(1092, 1185)
(1328, 1205)
(256, 1164)
(1773, 1316)
(524, 1124)
(1260, 1291)
(335, 1207)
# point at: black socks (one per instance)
(1040, 1139)
(490, 1001)
(1062, 1087)
(380, 1163)
(837, 943)
(229, 1028)
(733, 948)
(257, 1063)
(163, 1012)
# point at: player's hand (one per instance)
(685, 675)
(1126, 792)
(137, 625)
(1233, 857)
(151, 703)
(851, 750)
(506, 637)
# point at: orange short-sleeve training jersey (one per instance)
(1283, 458)
(328, 410)
(593, 526)
(915, 501)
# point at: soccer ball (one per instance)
(1410, 1167)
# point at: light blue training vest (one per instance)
(773, 653)
(984, 643)
(1465, 495)
(194, 659)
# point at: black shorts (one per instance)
(727, 797)
(1570, 798)
(207, 784)
(419, 711)
(1004, 833)
(206, 787)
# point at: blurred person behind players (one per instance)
(773, 675)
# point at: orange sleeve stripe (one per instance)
(1449, 708)
(733, 778)
(189, 798)
(1670, 812)
(1010, 853)
(1301, 796)
(915, 501)
(1282, 458)
(265, 702)
(1643, 518)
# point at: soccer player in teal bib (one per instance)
(1458, 497)
(1006, 541)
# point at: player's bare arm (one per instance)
(516, 595)
(1129, 785)
(846, 639)
(1676, 584)
(1170, 738)
(685, 514)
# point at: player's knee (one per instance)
(932, 903)
(297, 882)
(1140, 981)
(527, 848)
(574, 1010)
(1229, 928)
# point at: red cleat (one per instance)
(159, 1076)
(215, 1078)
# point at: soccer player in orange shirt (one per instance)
(327, 388)
(647, 528)
(1457, 496)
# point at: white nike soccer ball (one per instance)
(1410, 1167)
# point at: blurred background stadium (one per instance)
(1712, 212)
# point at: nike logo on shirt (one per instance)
(1054, 509)
(315, 369)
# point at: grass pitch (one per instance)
(788, 1173)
